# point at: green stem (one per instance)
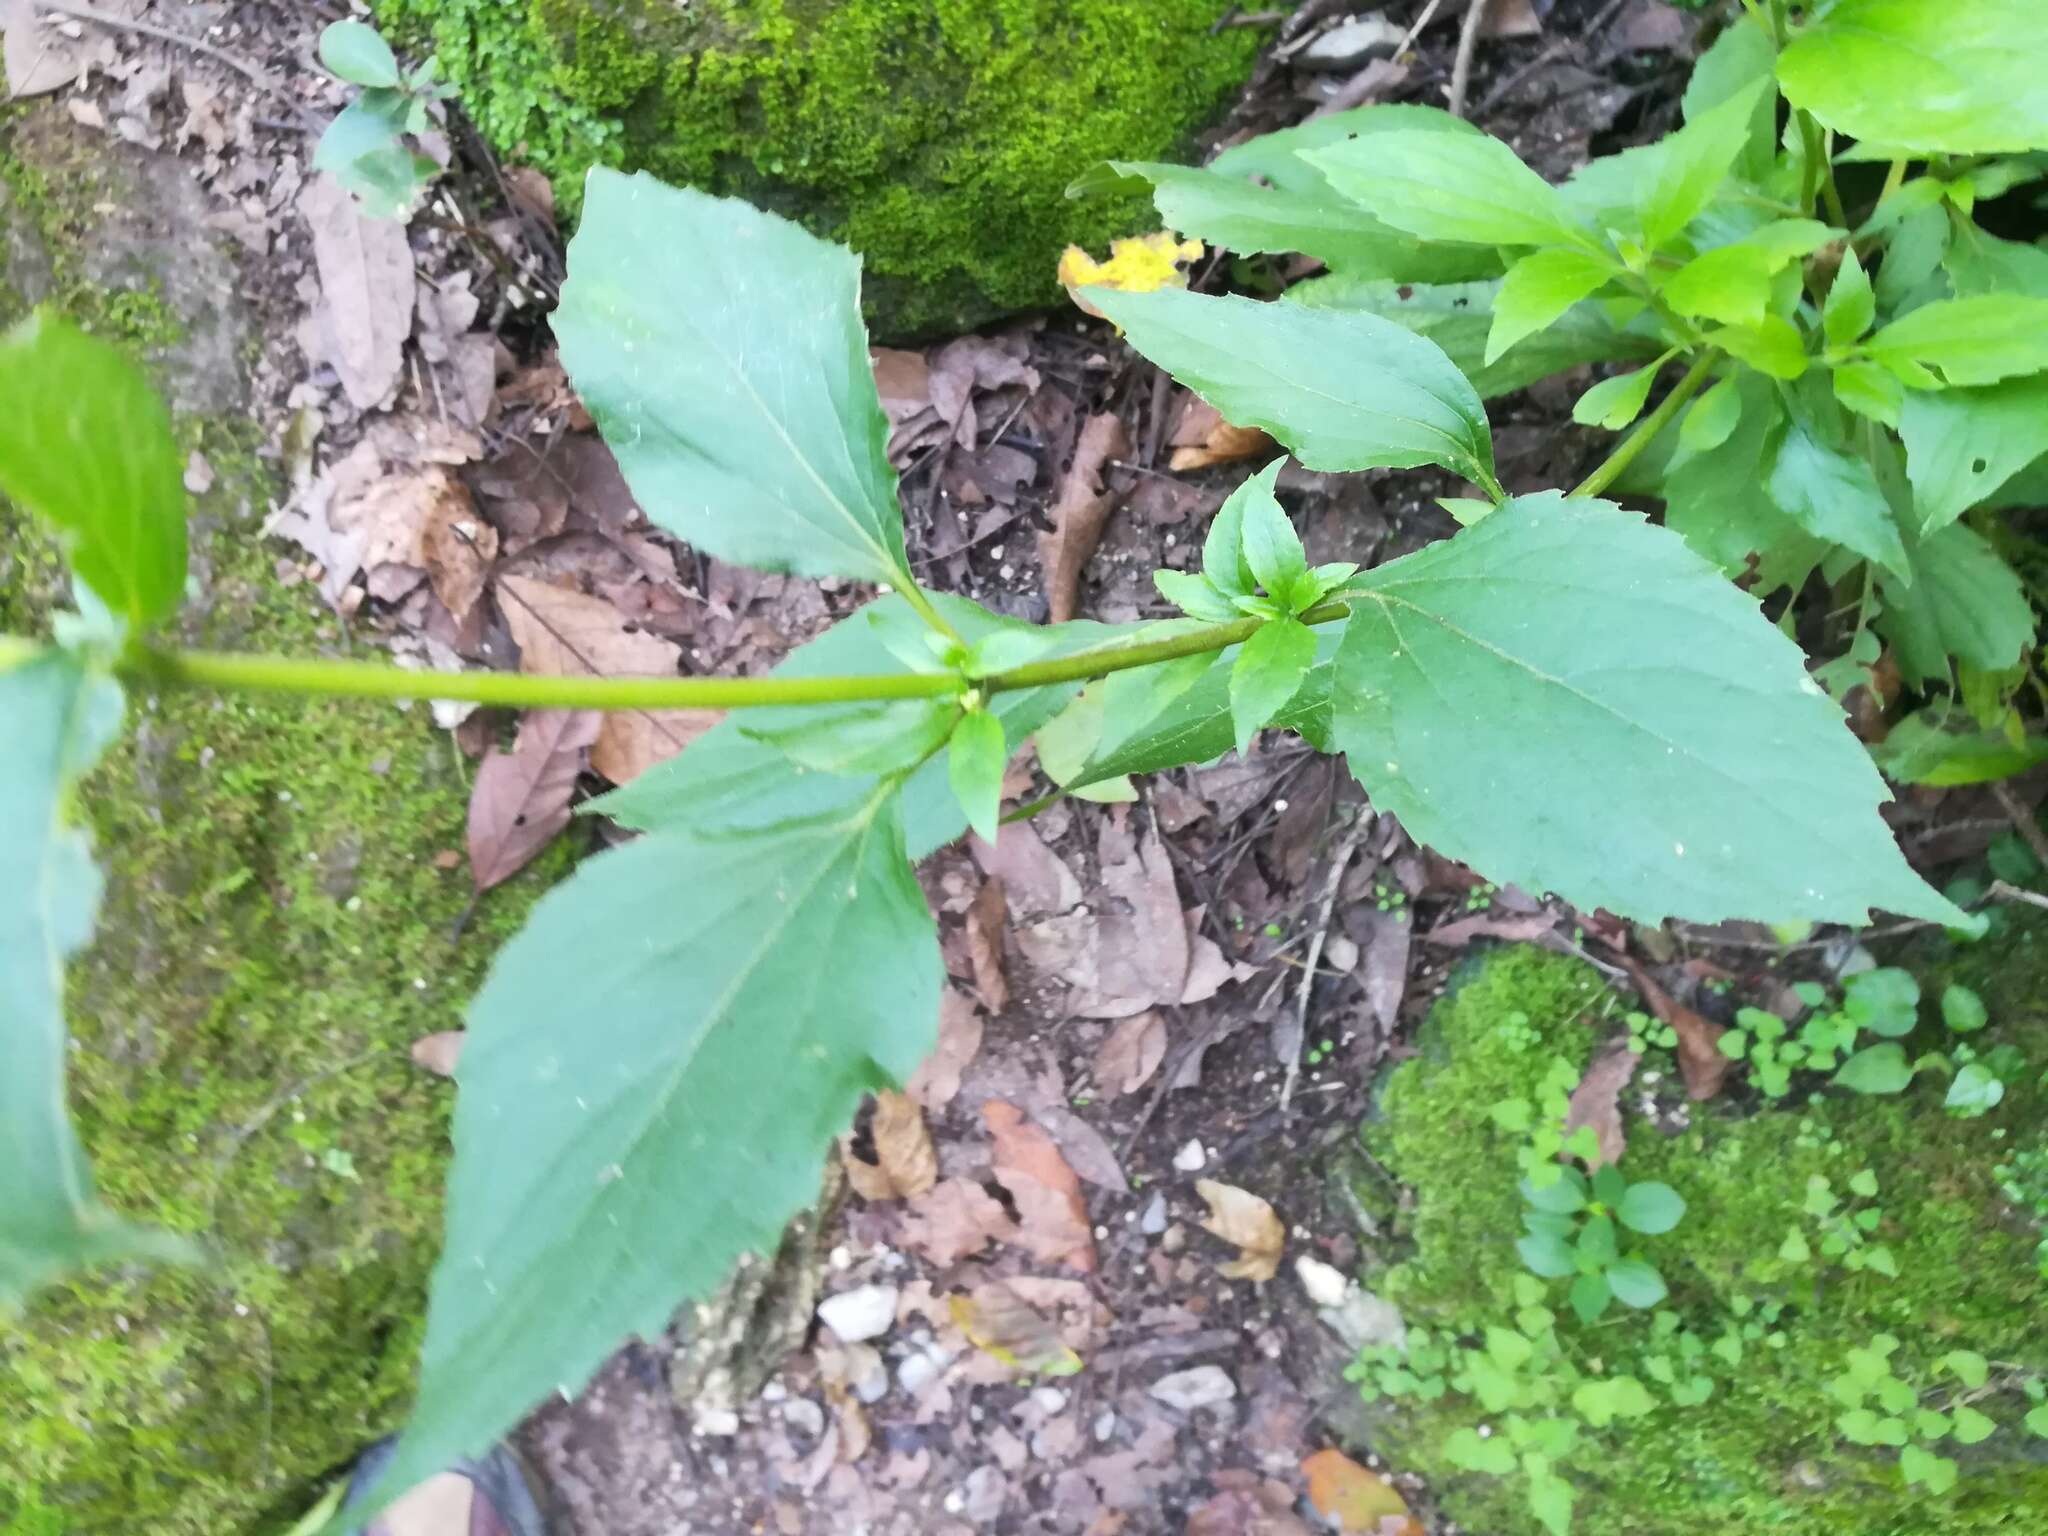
(921, 605)
(1104, 660)
(1628, 448)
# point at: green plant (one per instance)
(370, 147)
(1862, 366)
(763, 956)
(1574, 1226)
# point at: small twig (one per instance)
(1340, 860)
(1468, 44)
(183, 40)
(2005, 891)
(1170, 1070)
(1236, 18)
(1509, 86)
(2023, 821)
(1428, 15)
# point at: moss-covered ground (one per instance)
(936, 137)
(276, 932)
(1760, 1333)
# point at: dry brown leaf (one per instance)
(1202, 438)
(1086, 1149)
(1036, 881)
(1356, 1499)
(953, 1220)
(42, 57)
(905, 1162)
(1130, 1055)
(999, 1321)
(439, 1052)
(1052, 1213)
(1597, 1101)
(937, 1078)
(903, 380)
(521, 798)
(854, 1434)
(987, 917)
(1700, 1061)
(1249, 1505)
(1240, 1217)
(560, 632)
(1079, 512)
(367, 287)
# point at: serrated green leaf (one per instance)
(1636, 1284)
(1272, 549)
(355, 52)
(1876, 1069)
(1261, 196)
(975, 759)
(722, 353)
(1851, 305)
(1732, 283)
(1690, 164)
(1342, 390)
(1956, 78)
(1539, 289)
(60, 718)
(1710, 420)
(1869, 390)
(1614, 403)
(1965, 602)
(1981, 263)
(1451, 187)
(1962, 445)
(1499, 646)
(1194, 596)
(1651, 1208)
(678, 1137)
(1458, 318)
(1268, 672)
(1834, 495)
(726, 781)
(1970, 341)
(86, 444)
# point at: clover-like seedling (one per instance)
(1574, 1226)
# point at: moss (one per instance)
(1762, 1453)
(934, 136)
(276, 931)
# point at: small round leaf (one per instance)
(353, 51)
(1636, 1284)
(1651, 1208)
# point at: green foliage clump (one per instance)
(936, 137)
(1790, 1382)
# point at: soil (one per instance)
(1273, 860)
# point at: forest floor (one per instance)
(1172, 1010)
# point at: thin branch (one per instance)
(240, 66)
(2024, 821)
(1468, 44)
(1340, 860)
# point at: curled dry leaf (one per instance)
(1131, 1054)
(987, 917)
(953, 1220)
(1201, 438)
(1000, 1322)
(367, 290)
(1052, 1214)
(1079, 512)
(439, 1052)
(1700, 1061)
(905, 1162)
(1240, 1217)
(937, 1080)
(1597, 1101)
(521, 798)
(1356, 1499)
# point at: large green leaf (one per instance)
(59, 719)
(1980, 263)
(1964, 601)
(87, 444)
(722, 353)
(1714, 500)
(658, 1065)
(1740, 56)
(1962, 445)
(1568, 698)
(1834, 495)
(1344, 390)
(1539, 290)
(1261, 196)
(1969, 341)
(1463, 188)
(1458, 317)
(1959, 77)
(1689, 165)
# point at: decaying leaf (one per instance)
(905, 1162)
(1597, 1101)
(935, 1082)
(439, 1052)
(953, 1220)
(1202, 438)
(1052, 1215)
(1248, 1505)
(1131, 1054)
(1700, 1061)
(987, 917)
(367, 288)
(1355, 1498)
(1138, 264)
(1079, 512)
(563, 632)
(1001, 1323)
(521, 798)
(1240, 1217)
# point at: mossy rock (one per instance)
(276, 932)
(1763, 1454)
(936, 137)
